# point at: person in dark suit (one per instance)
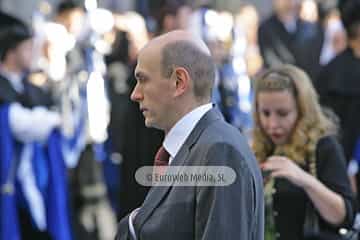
(175, 76)
(285, 38)
(339, 87)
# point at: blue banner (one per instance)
(9, 229)
(57, 199)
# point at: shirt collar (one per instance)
(179, 133)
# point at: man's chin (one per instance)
(150, 124)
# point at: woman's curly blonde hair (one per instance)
(311, 125)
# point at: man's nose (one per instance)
(136, 95)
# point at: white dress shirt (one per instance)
(179, 133)
(174, 140)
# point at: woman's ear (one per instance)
(182, 81)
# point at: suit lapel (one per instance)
(156, 194)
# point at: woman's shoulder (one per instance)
(328, 147)
(327, 141)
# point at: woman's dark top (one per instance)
(289, 201)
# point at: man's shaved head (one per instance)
(181, 35)
(181, 49)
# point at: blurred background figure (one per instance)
(134, 25)
(228, 45)
(338, 83)
(55, 44)
(27, 123)
(309, 11)
(286, 38)
(82, 98)
(246, 27)
(71, 15)
(172, 15)
(334, 31)
(326, 16)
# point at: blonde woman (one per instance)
(295, 145)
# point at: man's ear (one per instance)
(182, 81)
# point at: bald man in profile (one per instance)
(175, 76)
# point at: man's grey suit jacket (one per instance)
(234, 212)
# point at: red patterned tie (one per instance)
(162, 157)
(161, 161)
